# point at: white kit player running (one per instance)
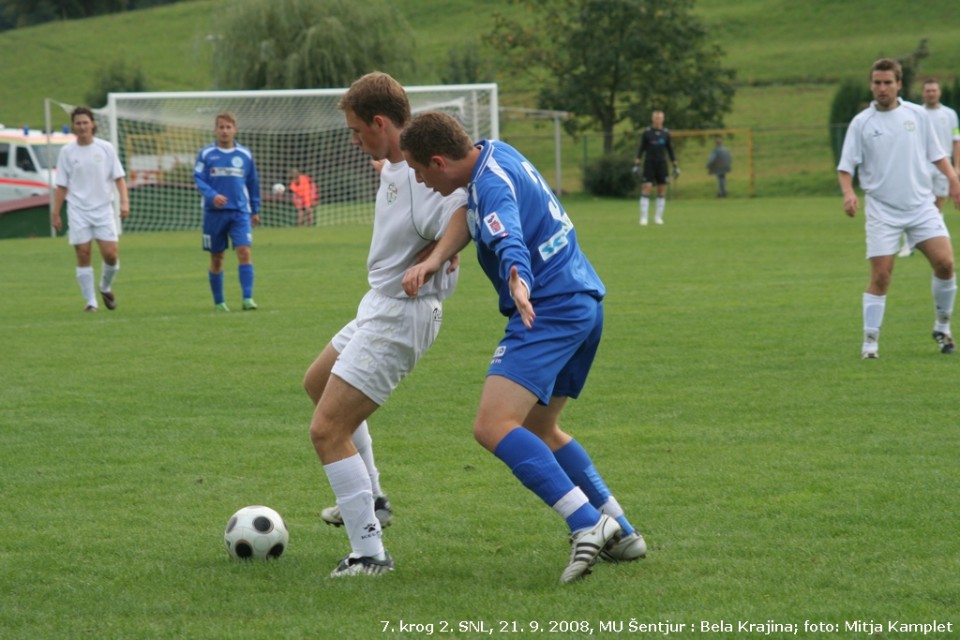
(891, 145)
(87, 171)
(363, 363)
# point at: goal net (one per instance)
(158, 136)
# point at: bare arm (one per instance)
(943, 164)
(454, 239)
(58, 199)
(124, 198)
(850, 200)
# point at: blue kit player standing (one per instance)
(655, 146)
(528, 248)
(226, 175)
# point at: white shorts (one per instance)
(883, 229)
(85, 225)
(940, 184)
(387, 338)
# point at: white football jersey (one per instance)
(946, 125)
(892, 151)
(408, 216)
(88, 172)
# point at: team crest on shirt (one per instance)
(909, 125)
(237, 162)
(392, 193)
(494, 226)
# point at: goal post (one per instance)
(158, 135)
(692, 148)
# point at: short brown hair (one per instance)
(887, 64)
(435, 133)
(84, 111)
(377, 94)
(226, 115)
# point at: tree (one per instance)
(118, 76)
(307, 44)
(852, 97)
(610, 61)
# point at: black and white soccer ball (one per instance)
(256, 532)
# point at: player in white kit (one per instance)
(947, 127)
(356, 372)
(87, 172)
(892, 143)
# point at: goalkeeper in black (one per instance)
(655, 147)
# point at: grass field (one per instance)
(779, 479)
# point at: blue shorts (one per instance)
(554, 357)
(224, 226)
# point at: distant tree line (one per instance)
(26, 13)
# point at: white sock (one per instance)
(364, 444)
(85, 278)
(873, 308)
(351, 485)
(612, 508)
(107, 274)
(944, 295)
(570, 502)
(644, 207)
(661, 205)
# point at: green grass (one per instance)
(776, 476)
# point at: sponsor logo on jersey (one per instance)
(498, 355)
(494, 226)
(552, 246)
(391, 193)
(226, 172)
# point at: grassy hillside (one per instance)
(769, 42)
(789, 57)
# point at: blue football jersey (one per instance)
(515, 220)
(229, 172)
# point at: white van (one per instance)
(27, 161)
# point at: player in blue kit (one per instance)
(226, 175)
(553, 298)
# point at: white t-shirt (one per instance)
(408, 216)
(88, 172)
(947, 127)
(893, 150)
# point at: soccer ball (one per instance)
(256, 532)
(279, 188)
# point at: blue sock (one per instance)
(576, 463)
(216, 287)
(538, 470)
(246, 280)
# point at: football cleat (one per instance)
(629, 547)
(249, 304)
(221, 306)
(381, 508)
(362, 566)
(586, 545)
(109, 300)
(944, 341)
(870, 355)
(90, 309)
